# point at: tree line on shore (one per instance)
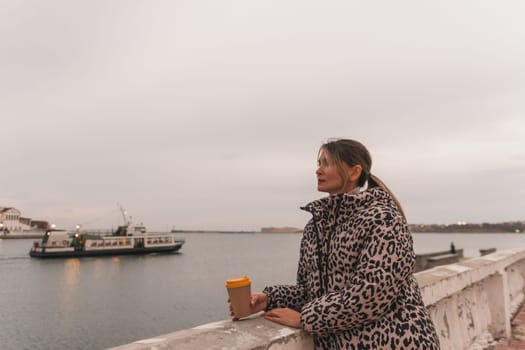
(460, 227)
(464, 227)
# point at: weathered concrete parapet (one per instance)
(471, 304)
(249, 334)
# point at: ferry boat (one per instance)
(126, 240)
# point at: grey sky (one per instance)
(208, 114)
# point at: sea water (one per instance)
(95, 303)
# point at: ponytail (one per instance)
(374, 181)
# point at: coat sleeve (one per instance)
(290, 296)
(384, 264)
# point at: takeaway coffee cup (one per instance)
(239, 291)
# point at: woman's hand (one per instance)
(287, 317)
(258, 302)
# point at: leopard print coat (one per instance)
(355, 288)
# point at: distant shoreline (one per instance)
(211, 231)
(464, 227)
(468, 232)
(271, 233)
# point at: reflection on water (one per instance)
(68, 293)
(72, 271)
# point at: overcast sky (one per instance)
(209, 114)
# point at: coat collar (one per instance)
(350, 202)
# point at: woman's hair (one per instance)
(352, 153)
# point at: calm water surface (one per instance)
(95, 303)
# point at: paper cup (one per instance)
(239, 291)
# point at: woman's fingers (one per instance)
(287, 317)
(272, 315)
(258, 301)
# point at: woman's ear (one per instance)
(355, 172)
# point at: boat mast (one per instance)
(123, 230)
(127, 221)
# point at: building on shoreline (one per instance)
(12, 221)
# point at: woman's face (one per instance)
(328, 177)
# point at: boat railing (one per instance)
(150, 240)
(53, 244)
(99, 233)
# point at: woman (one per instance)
(355, 288)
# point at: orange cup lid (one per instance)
(238, 282)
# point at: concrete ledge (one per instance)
(248, 334)
(443, 281)
(472, 302)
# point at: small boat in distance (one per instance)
(126, 240)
